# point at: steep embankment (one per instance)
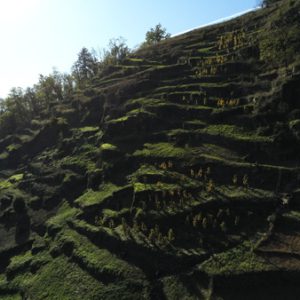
(174, 176)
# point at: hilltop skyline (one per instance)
(38, 36)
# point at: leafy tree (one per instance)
(156, 34)
(21, 106)
(50, 88)
(118, 50)
(85, 67)
(18, 109)
(68, 86)
(15, 112)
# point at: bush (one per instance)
(155, 35)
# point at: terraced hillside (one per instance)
(173, 176)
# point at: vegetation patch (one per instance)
(101, 260)
(108, 147)
(89, 129)
(80, 162)
(238, 260)
(5, 184)
(162, 150)
(13, 147)
(63, 215)
(234, 132)
(91, 197)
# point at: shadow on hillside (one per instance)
(22, 228)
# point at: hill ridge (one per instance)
(174, 175)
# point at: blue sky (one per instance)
(37, 35)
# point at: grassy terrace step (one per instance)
(234, 133)
(99, 262)
(194, 124)
(180, 111)
(264, 172)
(235, 261)
(190, 87)
(135, 251)
(226, 136)
(134, 122)
(260, 174)
(46, 283)
(215, 89)
(102, 198)
(198, 198)
(163, 102)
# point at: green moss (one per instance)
(101, 260)
(89, 129)
(136, 59)
(64, 214)
(97, 197)
(107, 146)
(16, 177)
(133, 114)
(162, 186)
(216, 150)
(61, 121)
(19, 261)
(144, 101)
(85, 227)
(136, 111)
(63, 280)
(81, 161)
(142, 187)
(234, 132)
(239, 164)
(13, 147)
(294, 215)
(68, 177)
(4, 155)
(242, 193)
(21, 264)
(160, 177)
(147, 170)
(189, 87)
(3, 280)
(294, 123)
(119, 120)
(174, 288)
(238, 260)
(196, 122)
(162, 150)
(6, 184)
(202, 50)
